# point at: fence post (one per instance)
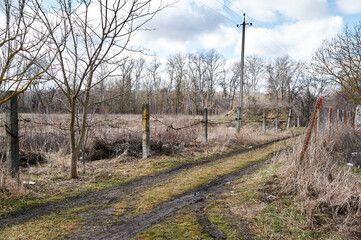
(277, 119)
(204, 126)
(12, 136)
(310, 127)
(146, 131)
(337, 118)
(346, 119)
(289, 118)
(264, 121)
(298, 120)
(317, 123)
(329, 122)
(239, 119)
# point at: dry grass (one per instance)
(53, 226)
(329, 190)
(255, 202)
(183, 225)
(120, 134)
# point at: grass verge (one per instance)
(184, 225)
(258, 204)
(53, 226)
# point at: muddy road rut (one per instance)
(128, 226)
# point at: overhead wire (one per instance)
(269, 37)
(215, 11)
(241, 17)
(229, 19)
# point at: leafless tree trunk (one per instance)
(84, 42)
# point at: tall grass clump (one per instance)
(328, 189)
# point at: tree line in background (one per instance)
(185, 84)
(77, 57)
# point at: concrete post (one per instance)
(298, 120)
(239, 119)
(276, 119)
(204, 126)
(329, 122)
(146, 131)
(289, 118)
(264, 121)
(12, 136)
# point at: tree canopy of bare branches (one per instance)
(339, 60)
(93, 33)
(23, 54)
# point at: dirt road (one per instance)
(101, 222)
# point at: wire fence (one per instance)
(51, 132)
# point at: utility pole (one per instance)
(239, 109)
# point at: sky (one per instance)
(279, 27)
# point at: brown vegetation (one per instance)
(113, 151)
(329, 191)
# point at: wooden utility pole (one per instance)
(12, 136)
(240, 108)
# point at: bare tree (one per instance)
(255, 71)
(233, 80)
(138, 75)
(125, 85)
(284, 75)
(153, 69)
(177, 66)
(339, 60)
(215, 63)
(22, 47)
(84, 42)
(197, 74)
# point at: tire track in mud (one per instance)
(108, 195)
(169, 208)
(205, 223)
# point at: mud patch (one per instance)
(164, 210)
(204, 221)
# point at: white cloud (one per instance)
(269, 11)
(299, 40)
(222, 37)
(190, 26)
(349, 6)
(175, 28)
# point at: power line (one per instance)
(263, 33)
(215, 11)
(279, 45)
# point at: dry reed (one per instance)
(329, 190)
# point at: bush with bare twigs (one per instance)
(163, 141)
(329, 190)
